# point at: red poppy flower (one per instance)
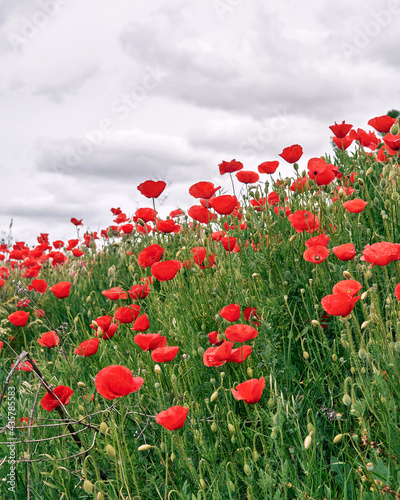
(72, 244)
(230, 166)
(127, 228)
(141, 323)
(176, 213)
(392, 143)
(343, 143)
(397, 291)
(49, 339)
(164, 354)
(150, 341)
(320, 171)
(61, 395)
(224, 204)
(87, 347)
(351, 287)
(302, 220)
(61, 290)
(127, 314)
(239, 354)
(203, 257)
(173, 418)
(345, 252)
(213, 338)
(107, 329)
(25, 366)
(2, 283)
(152, 189)
(341, 130)
(299, 185)
(145, 214)
(366, 139)
(382, 123)
(23, 303)
(228, 242)
(240, 333)
(201, 214)
(116, 381)
(165, 271)
(230, 312)
(19, 318)
(149, 255)
(4, 272)
(139, 291)
(355, 206)
(58, 244)
(217, 356)
(339, 304)
(273, 198)
(268, 167)
(203, 190)
(250, 391)
(316, 254)
(250, 314)
(39, 313)
(115, 293)
(168, 226)
(292, 154)
(115, 211)
(321, 240)
(380, 254)
(247, 176)
(77, 222)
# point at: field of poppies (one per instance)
(245, 347)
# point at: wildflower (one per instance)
(316, 254)
(173, 418)
(167, 270)
(239, 354)
(292, 154)
(250, 391)
(137, 292)
(217, 356)
(115, 293)
(268, 167)
(77, 222)
(38, 285)
(345, 252)
(380, 254)
(224, 204)
(230, 312)
(351, 287)
(321, 240)
(127, 314)
(87, 347)
(141, 323)
(116, 381)
(302, 220)
(343, 143)
(152, 189)
(355, 206)
(203, 190)
(146, 214)
(150, 255)
(49, 339)
(341, 130)
(247, 176)
(230, 166)
(382, 123)
(18, 318)
(201, 214)
(240, 333)
(339, 304)
(61, 395)
(164, 354)
(150, 341)
(61, 290)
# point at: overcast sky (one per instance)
(97, 96)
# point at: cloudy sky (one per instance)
(97, 96)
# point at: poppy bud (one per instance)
(157, 385)
(231, 428)
(202, 484)
(346, 400)
(274, 433)
(334, 357)
(81, 409)
(88, 486)
(144, 447)
(365, 324)
(346, 274)
(395, 129)
(370, 466)
(250, 372)
(173, 379)
(157, 369)
(231, 486)
(307, 442)
(88, 299)
(173, 456)
(368, 274)
(310, 428)
(397, 346)
(314, 322)
(305, 355)
(110, 450)
(255, 275)
(360, 182)
(214, 427)
(362, 353)
(341, 194)
(247, 469)
(99, 496)
(292, 238)
(81, 385)
(353, 370)
(200, 351)
(214, 396)
(395, 196)
(337, 438)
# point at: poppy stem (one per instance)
(233, 185)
